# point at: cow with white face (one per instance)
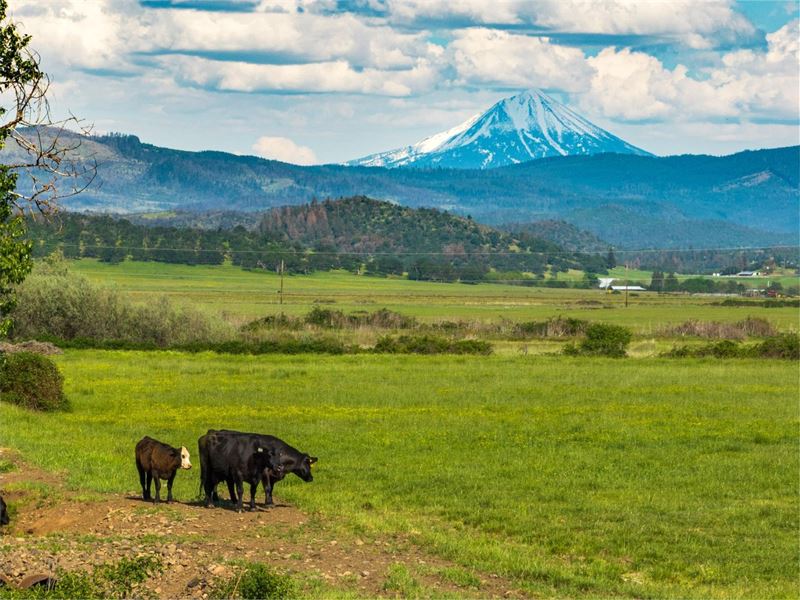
(156, 460)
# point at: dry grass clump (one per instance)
(749, 327)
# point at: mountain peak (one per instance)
(523, 127)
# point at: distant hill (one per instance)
(749, 198)
(351, 233)
(361, 224)
(561, 233)
(518, 129)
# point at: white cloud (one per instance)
(747, 84)
(696, 24)
(327, 77)
(284, 150)
(489, 56)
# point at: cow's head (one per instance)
(3, 513)
(273, 462)
(185, 464)
(304, 470)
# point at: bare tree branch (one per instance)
(48, 154)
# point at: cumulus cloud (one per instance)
(695, 24)
(284, 150)
(490, 56)
(631, 85)
(327, 77)
(91, 35)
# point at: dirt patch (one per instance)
(198, 545)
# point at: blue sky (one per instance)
(313, 81)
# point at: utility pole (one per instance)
(626, 285)
(280, 293)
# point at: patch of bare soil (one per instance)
(198, 545)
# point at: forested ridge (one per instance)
(358, 234)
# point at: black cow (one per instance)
(292, 460)
(3, 512)
(234, 460)
(157, 460)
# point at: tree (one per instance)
(657, 281)
(41, 154)
(671, 283)
(611, 260)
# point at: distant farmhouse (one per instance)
(606, 284)
(741, 274)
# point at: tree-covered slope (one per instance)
(749, 198)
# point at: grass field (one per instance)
(242, 295)
(575, 477)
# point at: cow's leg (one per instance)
(232, 491)
(208, 488)
(267, 491)
(169, 486)
(240, 491)
(158, 489)
(253, 487)
(148, 495)
(142, 479)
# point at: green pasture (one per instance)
(574, 477)
(240, 295)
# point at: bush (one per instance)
(602, 340)
(57, 304)
(336, 319)
(428, 344)
(786, 346)
(749, 327)
(781, 346)
(256, 582)
(558, 327)
(32, 381)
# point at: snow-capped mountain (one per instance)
(524, 127)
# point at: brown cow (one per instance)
(158, 461)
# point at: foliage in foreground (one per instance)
(786, 346)
(32, 381)
(109, 580)
(255, 582)
(20, 78)
(602, 339)
(56, 304)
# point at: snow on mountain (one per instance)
(524, 127)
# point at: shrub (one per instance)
(781, 346)
(336, 319)
(32, 381)
(602, 339)
(57, 304)
(256, 582)
(749, 327)
(428, 344)
(558, 327)
(786, 346)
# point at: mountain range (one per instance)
(632, 201)
(518, 129)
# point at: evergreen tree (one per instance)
(657, 281)
(671, 283)
(611, 260)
